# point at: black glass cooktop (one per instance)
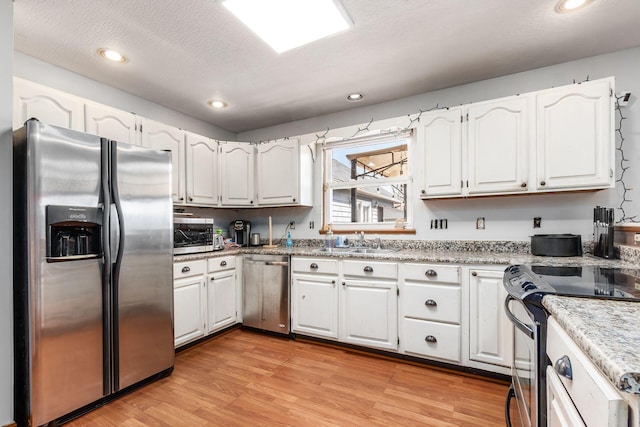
(529, 282)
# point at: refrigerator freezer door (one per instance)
(143, 269)
(59, 347)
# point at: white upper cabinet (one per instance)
(167, 138)
(551, 140)
(575, 136)
(50, 106)
(498, 135)
(442, 144)
(236, 173)
(277, 171)
(202, 170)
(111, 123)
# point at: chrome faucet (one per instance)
(360, 239)
(378, 243)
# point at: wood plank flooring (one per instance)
(247, 379)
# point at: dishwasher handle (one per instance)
(280, 263)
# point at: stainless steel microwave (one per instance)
(192, 235)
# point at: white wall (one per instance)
(38, 71)
(507, 217)
(6, 208)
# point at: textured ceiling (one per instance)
(185, 52)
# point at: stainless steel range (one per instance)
(526, 286)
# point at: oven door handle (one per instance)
(507, 405)
(523, 327)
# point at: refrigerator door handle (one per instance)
(115, 234)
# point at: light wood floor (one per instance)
(248, 379)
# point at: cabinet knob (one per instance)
(423, 192)
(430, 303)
(333, 282)
(368, 269)
(212, 279)
(313, 266)
(523, 185)
(432, 274)
(430, 338)
(542, 183)
(474, 273)
(190, 199)
(186, 269)
(251, 202)
(223, 263)
(563, 367)
(294, 200)
(344, 283)
(181, 198)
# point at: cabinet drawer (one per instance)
(431, 273)
(312, 265)
(189, 268)
(595, 398)
(440, 303)
(372, 269)
(221, 263)
(432, 339)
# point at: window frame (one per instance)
(408, 136)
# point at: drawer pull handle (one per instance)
(430, 303)
(223, 263)
(563, 367)
(368, 269)
(186, 269)
(431, 274)
(313, 266)
(430, 338)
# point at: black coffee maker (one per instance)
(239, 231)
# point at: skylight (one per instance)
(287, 24)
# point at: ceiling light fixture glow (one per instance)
(355, 97)
(287, 24)
(112, 55)
(217, 104)
(570, 5)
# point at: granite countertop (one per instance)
(460, 254)
(607, 331)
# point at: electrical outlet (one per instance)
(480, 223)
(311, 225)
(292, 225)
(537, 222)
(636, 238)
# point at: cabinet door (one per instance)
(498, 137)
(50, 106)
(221, 300)
(236, 173)
(442, 135)
(277, 177)
(202, 170)
(314, 308)
(188, 309)
(369, 313)
(575, 136)
(162, 137)
(110, 123)
(491, 332)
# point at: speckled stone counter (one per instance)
(607, 331)
(501, 253)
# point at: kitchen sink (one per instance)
(355, 250)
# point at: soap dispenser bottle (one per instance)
(289, 243)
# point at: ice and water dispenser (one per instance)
(73, 232)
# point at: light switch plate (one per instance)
(480, 223)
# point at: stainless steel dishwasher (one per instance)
(266, 292)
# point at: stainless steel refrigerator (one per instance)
(93, 289)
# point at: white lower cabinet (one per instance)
(430, 301)
(490, 331)
(588, 397)
(189, 301)
(221, 293)
(205, 297)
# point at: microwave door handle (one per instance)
(523, 327)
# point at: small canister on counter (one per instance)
(255, 239)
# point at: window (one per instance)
(366, 182)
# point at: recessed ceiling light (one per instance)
(217, 104)
(355, 97)
(112, 55)
(287, 24)
(569, 5)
